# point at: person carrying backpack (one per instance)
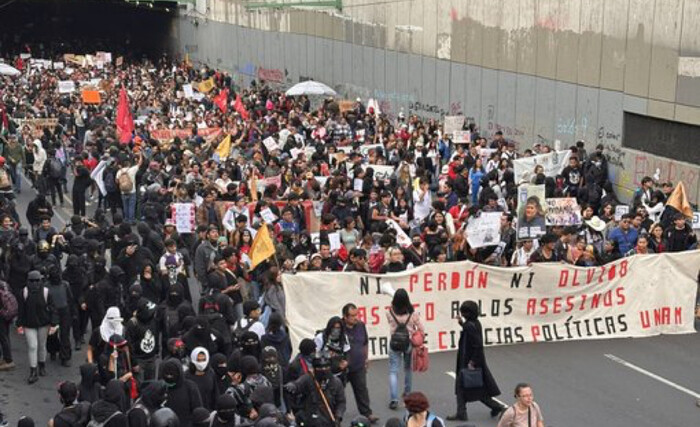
(108, 411)
(418, 414)
(152, 398)
(404, 321)
(36, 320)
(126, 181)
(8, 311)
(53, 174)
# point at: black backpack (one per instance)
(400, 340)
(55, 168)
(110, 180)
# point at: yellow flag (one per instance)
(224, 148)
(206, 86)
(262, 247)
(679, 201)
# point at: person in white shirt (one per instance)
(38, 165)
(238, 208)
(422, 202)
(523, 253)
(129, 194)
(250, 322)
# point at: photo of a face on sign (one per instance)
(531, 212)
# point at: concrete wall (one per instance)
(538, 70)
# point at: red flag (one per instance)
(125, 121)
(221, 100)
(240, 108)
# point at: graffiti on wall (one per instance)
(572, 127)
(271, 75)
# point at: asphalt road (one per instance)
(582, 384)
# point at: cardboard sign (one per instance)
(453, 124)
(91, 97)
(66, 86)
(563, 211)
(183, 214)
(461, 137)
(621, 210)
(270, 144)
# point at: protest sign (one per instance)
(267, 215)
(270, 144)
(66, 86)
(696, 220)
(91, 97)
(119, 61)
(365, 149)
(188, 91)
(36, 126)
(553, 163)
(401, 237)
(183, 215)
(621, 210)
(334, 241)
(345, 105)
(453, 124)
(59, 65)
(563, 211)
(484, 230)
(542, 303)
(485, 154)
(461, 137)
(167, 135)
(381, 171)
(531, 212)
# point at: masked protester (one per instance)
(169, 313)
(183, 394)
(315, 410)
(332, 344)
(133, 298)
(203, 376)
(219, 365)
(244, 407)
(63, 301)
(36, 320)
(142, 332)
(225, 414)
(73, 413)
(117, 363)
(302, 363)
(111, 324)
(201, 418)
(90, 389)
(109, 411)
(152, 399)
(43, 258)
(274, 372)
(250, 345)
(202, 335)
(277, 337)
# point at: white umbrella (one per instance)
(310, 87)
(8, 70)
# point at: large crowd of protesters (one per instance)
(186, 307)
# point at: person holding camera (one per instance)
(474, 380)
(525, 412)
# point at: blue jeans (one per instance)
(129, 206)
(394, 363)
(16, 175)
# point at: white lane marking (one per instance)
(454, 376)
(652, 375)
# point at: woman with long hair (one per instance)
(656, 238)
(402, 318)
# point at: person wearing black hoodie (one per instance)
(142, 332)
(90, 388)
(73, 413)
(78, 280)
(64, 305)
(219, 365)
(276, 336)
(36, 319)
(202, 335)
(169, 313)
(134, 257)
(110, 409)
(132, 300)
(182, 394)
(225, 414)
(152, 398)
(203, 376)
(151, 284)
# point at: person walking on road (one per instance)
(525, 412)
(403, 322)
(356, 332)
(470, 355)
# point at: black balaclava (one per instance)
(201, 328)
(170, 372)
(219, 364)
(175, 295)
(250, 344)
(226, 408)
(201, 417)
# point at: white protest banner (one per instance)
(621, 210)
(381, 171)
(563, 211)
(553, 163)
(547, 302)
(189, 92)
(183, 216)
(696, 220)
(484, 230)
(401, 236)
(453, 124)
(461, 137)
(270, 144)
(66, 86)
